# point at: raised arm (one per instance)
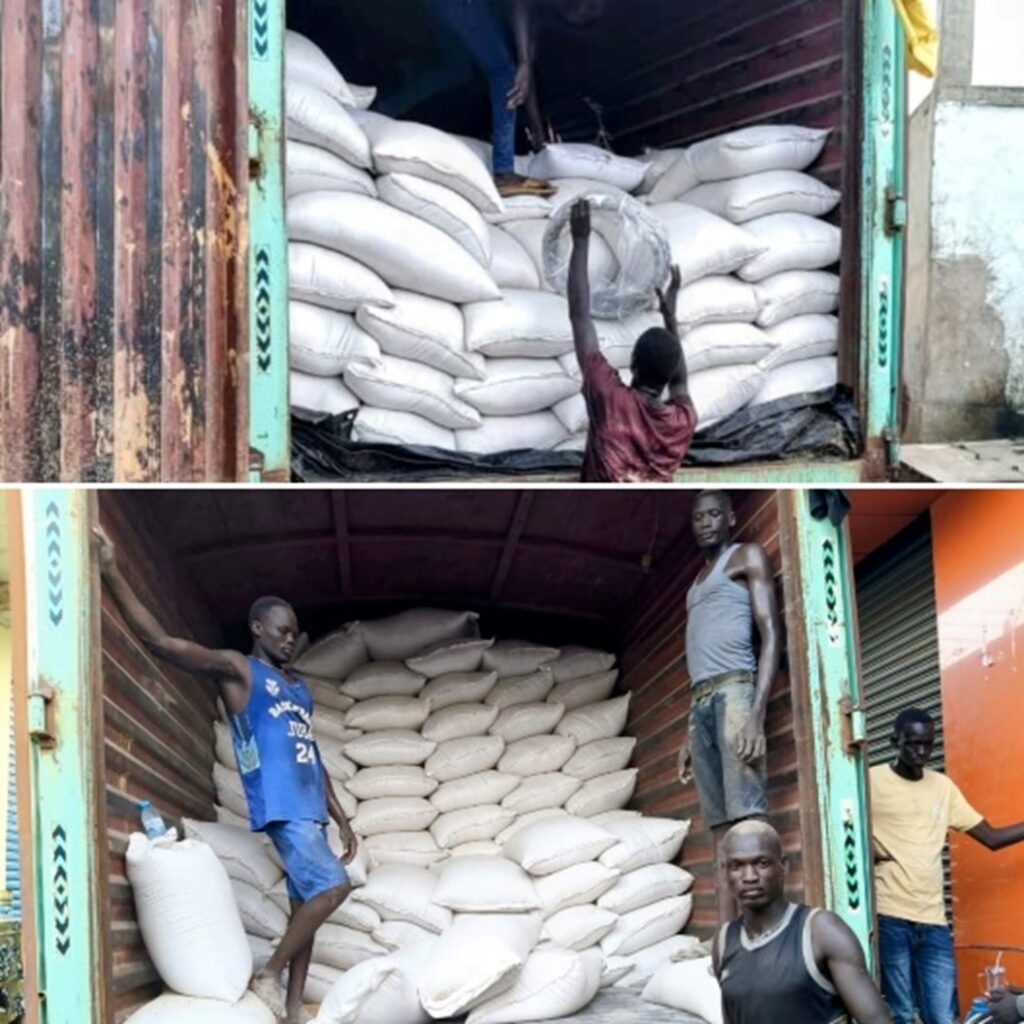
(997, 838)
(667, 301)
(584, 334)
(228, 667)
(758, 572)
(835, 944)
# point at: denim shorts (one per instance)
(309, 863)
(729, 789)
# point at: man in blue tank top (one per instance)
(731, 610)
(289, 794)
(782, 962)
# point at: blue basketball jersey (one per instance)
(277, 756)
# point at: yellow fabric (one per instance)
(922, 36)
(910, 821)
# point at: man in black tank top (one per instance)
(782, 962)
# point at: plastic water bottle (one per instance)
(978, 1012)
(152, 824)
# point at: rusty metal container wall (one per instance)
(122, 243)
(158, 738)
(654, 671)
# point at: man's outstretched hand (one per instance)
(579, 220)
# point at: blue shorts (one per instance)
(729, 789)
(309, 863)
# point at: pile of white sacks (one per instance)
(499, 875)
(418, 296)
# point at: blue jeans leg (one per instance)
(896, 955)
(934, 973)
(477, 25)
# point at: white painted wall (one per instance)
(998, 42)
(978, 210)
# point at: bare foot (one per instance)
(269, 990)
(518, 185)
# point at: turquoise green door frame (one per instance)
(65, 761)
(269, 435)
(831, 731)
(883, 220)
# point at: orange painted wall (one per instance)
(979, 588)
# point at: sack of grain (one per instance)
(459, 687)
(702, 243)
(323, 341)
(188, 917)
(600, 757)
(719, 344)
(523, 323)
(485, 885)
(424, 330)
(604, 793)
(647, 925)
(602, 265)
(550, 789)
(573, 886)
(521, 208)
(643, 841)
(403, 893)
(243, 853)
(523, 720)
(173, 1009)
(517, 657)
(572, 413)
(486, 787)
(230, 794)
(259, 912)
(408, 849)
(523, 821)
(357, 916)
(526, 689)
(553, 983)
(595, 721)
(511, 265)
(382, 679)
(757, 195)
(405, 251)
(716, 299)
(470, 825)
(388, 426)
(309, 168)
(401, 636)
(791, 241)
(316, 118)
(475, 959)
(677, 178)
(406, 386)
(459, 720)
(343, 948)
(646, 962)
(536, 755)
(335, 655)
(689, 986)
(574, 662)
(795, 293)
(404, 147)
(768, 147)
(805, 377)
(583, 160)
(223, 747)
(391, 747)
(646, 885)
(445, 209)
(393, 814)
(537, 431)
(304, 61)
(401, 934)
(455, 759)
(810, 336)
(516, 387)
(574, 693)
(327, 692)
(313, 398)
(552, 844)
(723, 390)
(461, 654)
(578, 927)
(379, 713)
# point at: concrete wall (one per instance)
(964, 327)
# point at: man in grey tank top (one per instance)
(732, 655)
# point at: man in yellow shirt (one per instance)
(913, 809)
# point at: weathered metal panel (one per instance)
(654, 671)
(157, 736)
(122, 195)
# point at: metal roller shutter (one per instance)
(13, 880)
(900, 642)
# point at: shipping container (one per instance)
(102, 725)
(143, 244)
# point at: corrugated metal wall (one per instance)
(158, 736)
(122, 206)
(654, 670)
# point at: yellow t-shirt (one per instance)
(910, 821)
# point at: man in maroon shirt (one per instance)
(636, 433)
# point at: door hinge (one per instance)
(40, 716)
(257, 460)
(854, 726)
(895, 211)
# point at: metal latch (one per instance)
(40, 715)
(854, 725)
(895, 211)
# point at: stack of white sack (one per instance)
(452, 754)
(419, 301)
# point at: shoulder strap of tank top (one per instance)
(810, 960)
(723, 559)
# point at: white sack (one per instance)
(523, 323)
(323, 341)
(525, 689)
(802, 337)
(304, 61)
(382, 679)
(768, 147)
(757, 195)
(584, 160)
(516, 387)
(309, 168)
(388, 426)
(793, 241)
(391, 747)
(313, 397)
(703, 243)
(796, 292)
(317, 118)
(536, 755)
(807, 376)
(689, 986)
(459, 687)
(486, 787)
(537, 431)
(485, 885)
